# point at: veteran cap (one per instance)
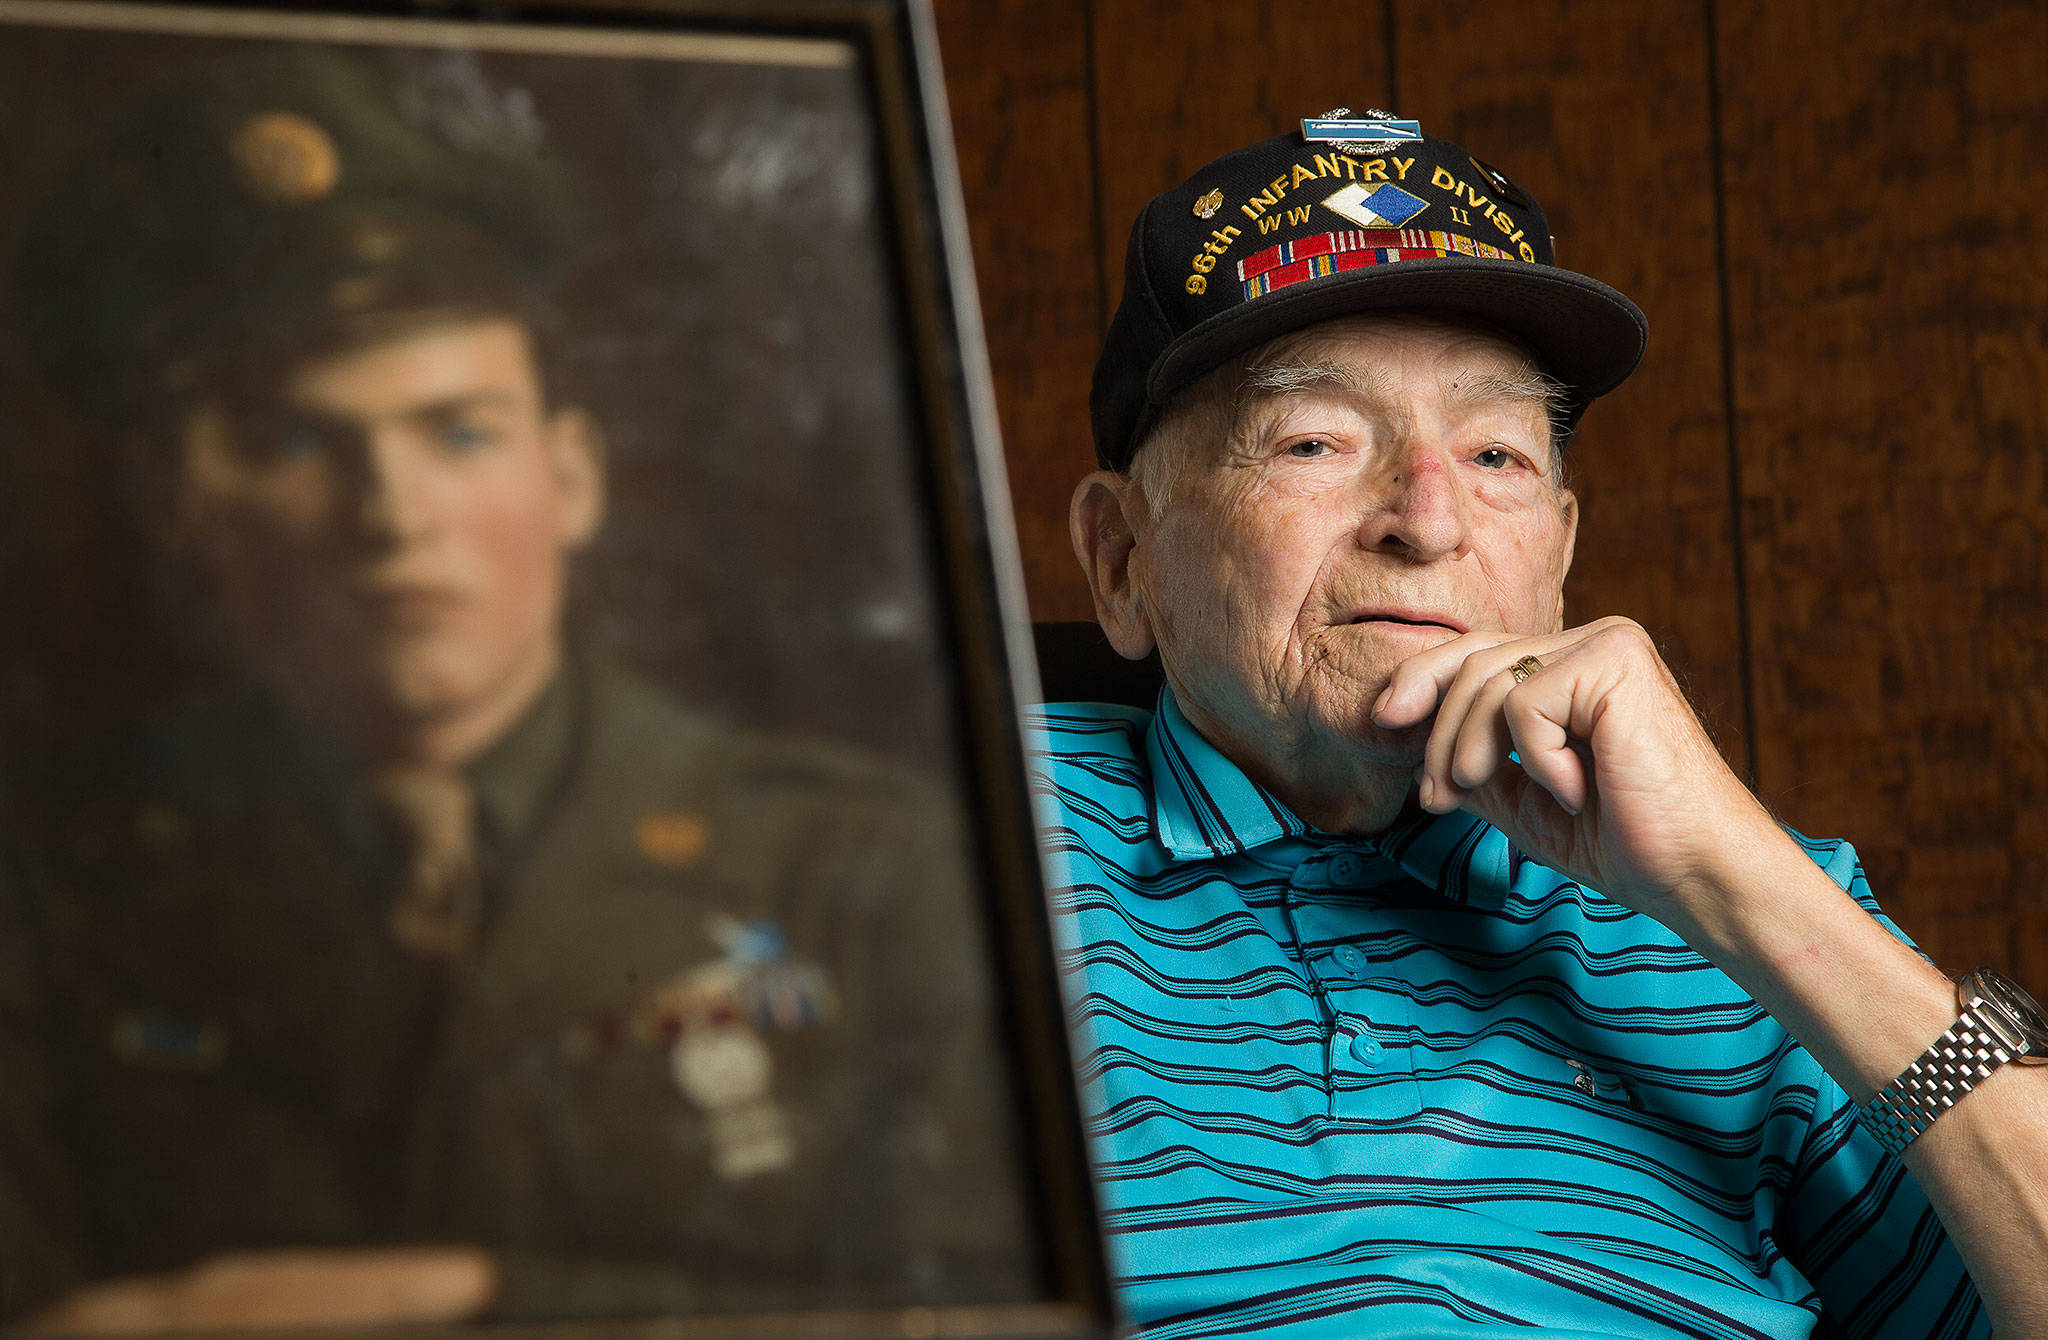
(259, 204)
(1350, 214)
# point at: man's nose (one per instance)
(1418, 508)
(391, 504)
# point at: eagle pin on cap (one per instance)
(1351, 214)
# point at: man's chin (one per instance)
(431, 689)
(1345, 681)
(1344, 719)
(1400, 748)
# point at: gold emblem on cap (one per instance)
(1206, 207)
(673, 838)
(283, 158)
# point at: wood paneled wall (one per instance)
(1825, 491)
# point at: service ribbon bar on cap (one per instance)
(1332, 253)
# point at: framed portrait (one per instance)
(512, 814)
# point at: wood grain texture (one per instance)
(1885, 179)
(1179, 84)
(1601, 111)
(1017, 81)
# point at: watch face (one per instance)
(2018, 1007)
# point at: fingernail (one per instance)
(1379, 704)
(1426, 792)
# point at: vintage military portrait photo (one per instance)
(486, 822)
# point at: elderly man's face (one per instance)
(1390, 488)
(390, 531)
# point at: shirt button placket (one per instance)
(1358, 1063)
(1365, 1048)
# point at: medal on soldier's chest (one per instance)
(715, 1023)
(726, 1070)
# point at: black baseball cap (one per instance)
(1349, 214)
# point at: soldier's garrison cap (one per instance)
(257, 205)
(1350, 214)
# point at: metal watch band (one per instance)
(1957, 1062)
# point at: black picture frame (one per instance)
(968, 642)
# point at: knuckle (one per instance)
(1625, 637)
(1469, 681)
(1520, 707)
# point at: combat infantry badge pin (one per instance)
(1375, 132)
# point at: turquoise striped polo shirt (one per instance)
(1419, 1085)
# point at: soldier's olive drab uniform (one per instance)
(725, 1039)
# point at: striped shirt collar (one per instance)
(1205, 807)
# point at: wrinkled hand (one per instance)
(1618, 785)
(243, 1290)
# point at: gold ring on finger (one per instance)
(1524, 668)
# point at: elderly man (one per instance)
(424, 960)
(1433, 973)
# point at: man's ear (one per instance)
(1568, 543)
(1568, 502)
(577, 449)
(1100, 524)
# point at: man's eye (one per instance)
(298, 442)
(1309, 448)
(278, 443)
(467, 436)
(1495, 458)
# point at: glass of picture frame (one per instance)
(513, 813)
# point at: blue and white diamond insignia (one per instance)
(1385, 206)
(1387, 129)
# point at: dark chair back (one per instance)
(1076, 664)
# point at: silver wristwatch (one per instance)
(2000, 1023)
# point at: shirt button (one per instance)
(1349, 958)
(1347, 869)
(1366, 1050)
